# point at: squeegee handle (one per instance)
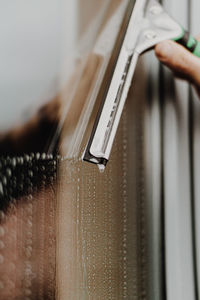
(189, 42)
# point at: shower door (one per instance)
(68, 231)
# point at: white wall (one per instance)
(35, 37)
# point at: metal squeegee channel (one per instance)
(104, 130)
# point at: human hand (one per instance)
(183, 63)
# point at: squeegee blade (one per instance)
(101, 140)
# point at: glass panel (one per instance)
(67, 231)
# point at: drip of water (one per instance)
(101, 168)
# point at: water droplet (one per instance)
(30, 173)
(4, 180)
(8, 172)
(20, 160)
(50, 156)
(43, 156)
(14, 162)
(1, 188)
(30, 223)
(101, 168)
(30, 197)
(27, 158)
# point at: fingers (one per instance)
(198, 37)
(179, 60)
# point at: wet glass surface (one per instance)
(66, 230)
(28, 227)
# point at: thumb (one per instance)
(182, 62)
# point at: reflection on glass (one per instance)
(66, 231)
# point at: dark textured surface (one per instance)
(22, 175)
(28, 227)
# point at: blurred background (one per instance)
(67, 231)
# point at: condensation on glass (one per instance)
(66, 230)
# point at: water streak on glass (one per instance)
(67, 231)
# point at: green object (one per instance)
(189, 42)
(197, 50)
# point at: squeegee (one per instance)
(148, 24)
